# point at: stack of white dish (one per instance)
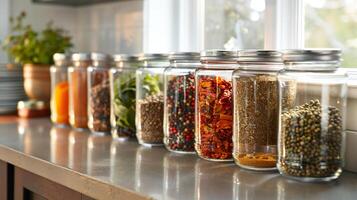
(11, 88)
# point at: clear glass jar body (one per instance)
(150, 103)
(256, 115)
(214, 111)
(98, 100)
(59, 95)
(311, 124)
(77, 77)
(123, 92)
(179, 101)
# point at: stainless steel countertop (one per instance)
(106, 169)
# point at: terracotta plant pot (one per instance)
(37, 82)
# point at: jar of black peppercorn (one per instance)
(150, 99)
(214, 105)
(99, 94)
(256, 109)
(179, 101)
(312, 115)
(122, 92)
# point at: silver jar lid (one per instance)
(100, 57)
(260, 55)
(219, 54)
(61, 57)
(184, 56)
(81, 57)
(153, 56)
(125, 57)
(312, 55)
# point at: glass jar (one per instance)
(150, 100)
(99, 94)
(123, 92)
(179, 102)
(214, 105)
(59, 89)
(77, 77)
(256, 109)
(312, 115)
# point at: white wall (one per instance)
(111, 27)
(115, 27)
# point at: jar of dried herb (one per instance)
(59, 89)
(179, 89)
(150, 99)
(214, 105)
(99, 93)
(77, 80)
(122, 92)
(256, 109)
(312, 120)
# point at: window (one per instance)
(234, 24)
(332, 23)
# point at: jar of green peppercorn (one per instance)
(312, 115)
(179, 101)
(214, 105)
(150, 99)
(123, 92)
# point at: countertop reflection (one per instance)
(148, 172)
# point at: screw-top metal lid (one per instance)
(125, 57)
(312, 55)
(260, 55)
(81, 57)
(184, 56)
(153, 56)
(61, 57)
(219, 54)
(101, 57)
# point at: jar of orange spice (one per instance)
(77, 77)
(59, 89)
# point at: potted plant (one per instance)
(34, 50)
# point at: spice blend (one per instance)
(151, 113)
(78, 97)
(257, 114)
(99, 102)
(124, 105)
(311, 140)
(61, 103)
(180, 102)
(215, 118)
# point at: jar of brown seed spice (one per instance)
(256, 109)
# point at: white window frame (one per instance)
(183, 27)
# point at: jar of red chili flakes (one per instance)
(214, 105)
(179, 101)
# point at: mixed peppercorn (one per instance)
(311, 148)
(180, 102)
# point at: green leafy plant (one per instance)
(124, 101)
(151, 84)
(26, 46)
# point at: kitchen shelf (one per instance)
(99, 168)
